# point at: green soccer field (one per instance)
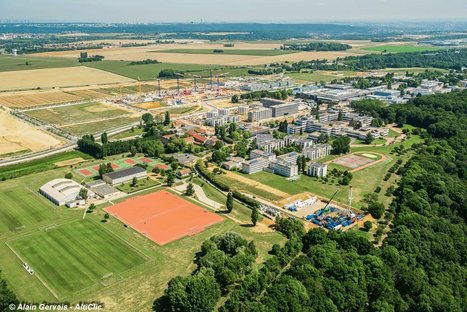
(21, 207)
(75, 256)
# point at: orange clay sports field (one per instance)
(163, 217)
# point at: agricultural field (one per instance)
(400, 48)
(144, 72)
(29, 99)
(240, 59)
(228, 51)
(18, 137)
(15, 63)
(57, 77)
(79, 113)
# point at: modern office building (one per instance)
(284, 109)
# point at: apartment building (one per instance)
(255, 165)
(317, 151)
(317, 170)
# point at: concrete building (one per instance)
(289, 157)
(268, 102)
(102, 189)
(243, 110)
(284, 168)
(317, 151)
(212, 114)
(185, 159)
(317, 170)
(259, 114)
(284, 109)
(295, 129)
(64, 192)
(233, 118)
(125, 175)
(255, 165)
(216, 121)
(256, 153)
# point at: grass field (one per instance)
(401, 48)
(22, 207)
(238, 185)
(228, 52)
(141, 185)
(147, 71)
(38, 165)
(78, 113)
(319, 75)
(127, 134)
(13, 63)
(100, 126)
(77, 255)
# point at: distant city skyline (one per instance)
(154, 11)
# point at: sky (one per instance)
(231, 10)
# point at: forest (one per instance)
(316, 46)
(419, 267)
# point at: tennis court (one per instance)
(163, 217)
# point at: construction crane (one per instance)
(178, 75)
(350, 201)
(218, 83)
(325, 207)
(195, 86)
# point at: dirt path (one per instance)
(256, 184)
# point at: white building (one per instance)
(259, 114)
(63, 192)
(317, 151)
(284, 168)
(256, 153)
(255, 165)
(317, 170)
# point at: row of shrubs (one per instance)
(224, 187)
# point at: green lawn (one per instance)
(12, 63)
(38, 165)
(100, 126)
(77, 255)
(22, 207)
(77, 113)
(228, 52)
(127, 134)
(141, 185)
(401, 48)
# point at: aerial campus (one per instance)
(232, 166)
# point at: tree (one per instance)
(376, 209)
(134, 182)
(367, 225)
(189, 189)
(147, 118)
(235, 98)
(170, 179)
(340, 116)
(197, 293)
(83, 193)
(104, 138)
(341, 145)
(369, 138)
(230, 202)
(68, 175)
(323, 138)
(254, 216)
(7, 296)
(167, 118)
